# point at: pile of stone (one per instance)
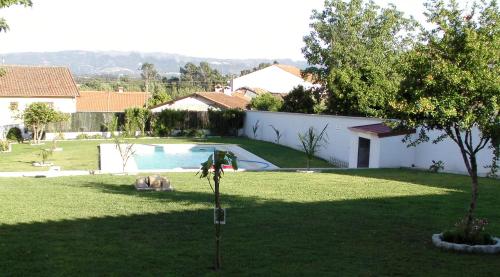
(154, 182)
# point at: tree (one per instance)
(214, 168)
(7, 3)
(452, 83)
(259, 67)
(266, 102)
(202, 76)
(37, 115)
(149, 74)
(354, 49)
(299, 100)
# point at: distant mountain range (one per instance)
(88, 63)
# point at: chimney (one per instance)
(120, 89)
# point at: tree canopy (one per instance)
(299, 100)
(354, 49)
(203, 76)
(7, 3)
(36, 117)
(266, 102)
(452, 81)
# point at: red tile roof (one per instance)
(295, 71)
(219, 99)
(102, 101)
(381, 130)
(37, 81)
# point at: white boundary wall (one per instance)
(388, 152)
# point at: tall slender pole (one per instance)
(217, 222)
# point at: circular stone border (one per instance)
(438, 241)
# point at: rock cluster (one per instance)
(154, 182)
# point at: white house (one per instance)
(277, 78)
(21, 86)
(203, 101)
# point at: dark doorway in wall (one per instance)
(363, 152)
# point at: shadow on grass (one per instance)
(419, 177)
(389, 236)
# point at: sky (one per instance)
(271, 29)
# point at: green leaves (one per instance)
(355, 49)
(311, 141)
(216, 162)
(7, 3)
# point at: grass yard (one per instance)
(83, 154)
(344, 223)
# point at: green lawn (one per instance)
(83, 154)
(345, 223)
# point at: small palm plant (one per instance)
(213, 168)
(255, 128)
(311, 141)
(278, 134)
(44, 154)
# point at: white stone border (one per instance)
(437, 240)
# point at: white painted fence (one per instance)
(388, 152)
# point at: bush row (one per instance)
(165, 123)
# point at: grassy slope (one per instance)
(368, 222)
(83, 155)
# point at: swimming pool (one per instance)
(175, 157)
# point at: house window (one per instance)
(14, 106)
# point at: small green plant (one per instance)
(15, 134)
(472, 234)
(60, 136)
(97, 136)
(213, 168)
(4, 145)
(311, 141)
(44, 154)
(82, 136)
(255, 128)
(125, 149)
(436, 166)
(277, 133)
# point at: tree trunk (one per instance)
(217, 264)
(475, 188)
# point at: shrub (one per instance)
(472, 235)
(266, 102)
(4, 145)
(436, 166)
(82, 136)
(97, 136)
(15, 134)
(299, 100)
(226, 122)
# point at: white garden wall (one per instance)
(387, 152)
(290, 124)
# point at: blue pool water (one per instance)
(185, 158)
(162, 158)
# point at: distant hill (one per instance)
(85, 63)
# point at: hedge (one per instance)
(225, 122)
(87, 122)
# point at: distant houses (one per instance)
(203, 101)
(109, 101)
(21, 86)
(276, 79)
